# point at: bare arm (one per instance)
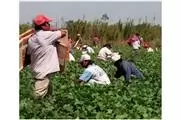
(80, 82)
(63, 33)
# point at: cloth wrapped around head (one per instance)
(85, 57)
(115, 57)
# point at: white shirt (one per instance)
(136, 44)
(104, 53)
(95, 73)
(88, 50)
(44, 58)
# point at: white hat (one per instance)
(115, 57)
(85, 57)
(84, 46)
(78, 34)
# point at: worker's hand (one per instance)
(64, 30)
(63, 33)
(78, 81)
(82, 83)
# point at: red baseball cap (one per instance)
(40, 19)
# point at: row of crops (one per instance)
(121, 99)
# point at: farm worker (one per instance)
(125, 68)
(87, 49)
(78, 40)
(93, 73)
(140, 38)
(105, 52)
(95, 40)
(134, 42)
(43, 53)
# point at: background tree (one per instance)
(105, 17)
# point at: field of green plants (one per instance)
(138, 99)
(120, 100)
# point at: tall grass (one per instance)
(114, 33)
(111, 33)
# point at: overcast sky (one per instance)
(91, 10)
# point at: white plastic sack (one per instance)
(150, 50)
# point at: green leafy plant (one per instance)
(140, 99)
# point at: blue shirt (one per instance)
(96, 73)
(86, 76)
(126, 68)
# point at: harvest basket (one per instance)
(63, 49)
(24, 60)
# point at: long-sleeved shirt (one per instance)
(88, 50)
(104, 54)
(43, 52)
(126, 69)
(96, 73)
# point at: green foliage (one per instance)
(140, 99)
(110, 32)
(105, 17)
(113, 32)
(24, 27)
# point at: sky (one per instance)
(91, 11)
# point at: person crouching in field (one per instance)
(105, 52)
(125, 68)
(93, 73)
(87, 49)
(43, 54)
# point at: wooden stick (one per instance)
(30, 31)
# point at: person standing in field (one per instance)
(96, 40)
(93, 74)
(105, 52)
(43, 54)
(134, 41)
(78, 41)
(125, 68)
(140, 38)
